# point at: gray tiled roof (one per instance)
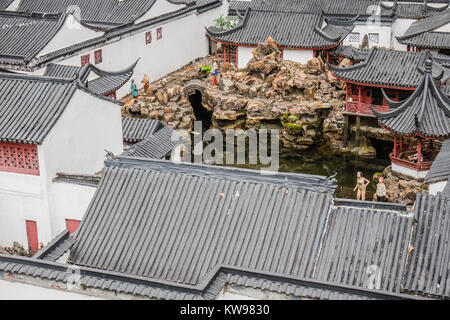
(392, 68)
(104, 83)
(135, 130)
(428, 268)
(440, 170)
(103, 14)
(56, 248)
(62, 71)
(24, 35)
(288, 29)
(238, 6)
(426, 112)
(359, 241)
(30, 106)
(5, 4)
(209, 288)
(123, 30)
(353, 53)
(157, 145)
(422, 33)
(429, 40)
(177, 222)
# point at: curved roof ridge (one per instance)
(426, 112)
(242, 23)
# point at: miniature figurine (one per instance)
(361, 185)
(381, 190)
(134, 90)
(146, 83)
(214, 72)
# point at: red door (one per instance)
(72, 225)
(367, 96)
(33, 243)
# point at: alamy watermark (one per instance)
(260, 149)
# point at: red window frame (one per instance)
(159, 33)
(72, 225)
(19, 158)
(148, 37)
(85, 59)
(32, 235)
(98, 56)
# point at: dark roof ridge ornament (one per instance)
(425, 113)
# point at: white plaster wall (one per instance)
(409, 172)
(399, 28)
(445, 28)
(22, 291)
(159, 8)
(24, 197)
(77, 143)
(70, 201)
(302, 56)
(70, 33)
(184, 39)
(14, 5)
(244, 56)
(383, 30)
(437, 187)
(21, 198)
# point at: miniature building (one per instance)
(300, 34)
(425, 116)
(182, 231)
(110, 34)
(150, 139)
(439, 174)
(98, 81)
(432, 33)
(397, 72)
(41, 136)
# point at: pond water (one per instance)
(325, 162)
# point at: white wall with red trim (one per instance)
(69, 201)
(75, 145)
(183, 40)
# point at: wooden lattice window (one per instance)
(148, 37)
(98, 56)
(159, 33)
(85, 60)
(19, 158)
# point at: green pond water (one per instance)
(325, 162)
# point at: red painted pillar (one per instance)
(408, 48)
(32, 234)
(419, 153)
(215, 49)
(395, 146)
(359, 99)
(346, 97)
(401, 143)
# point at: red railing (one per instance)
(364, 108)
(19, 158)
(424, 165)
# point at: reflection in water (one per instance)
(327, 163)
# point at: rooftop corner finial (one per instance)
(428, 65)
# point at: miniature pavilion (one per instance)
(421, 119)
